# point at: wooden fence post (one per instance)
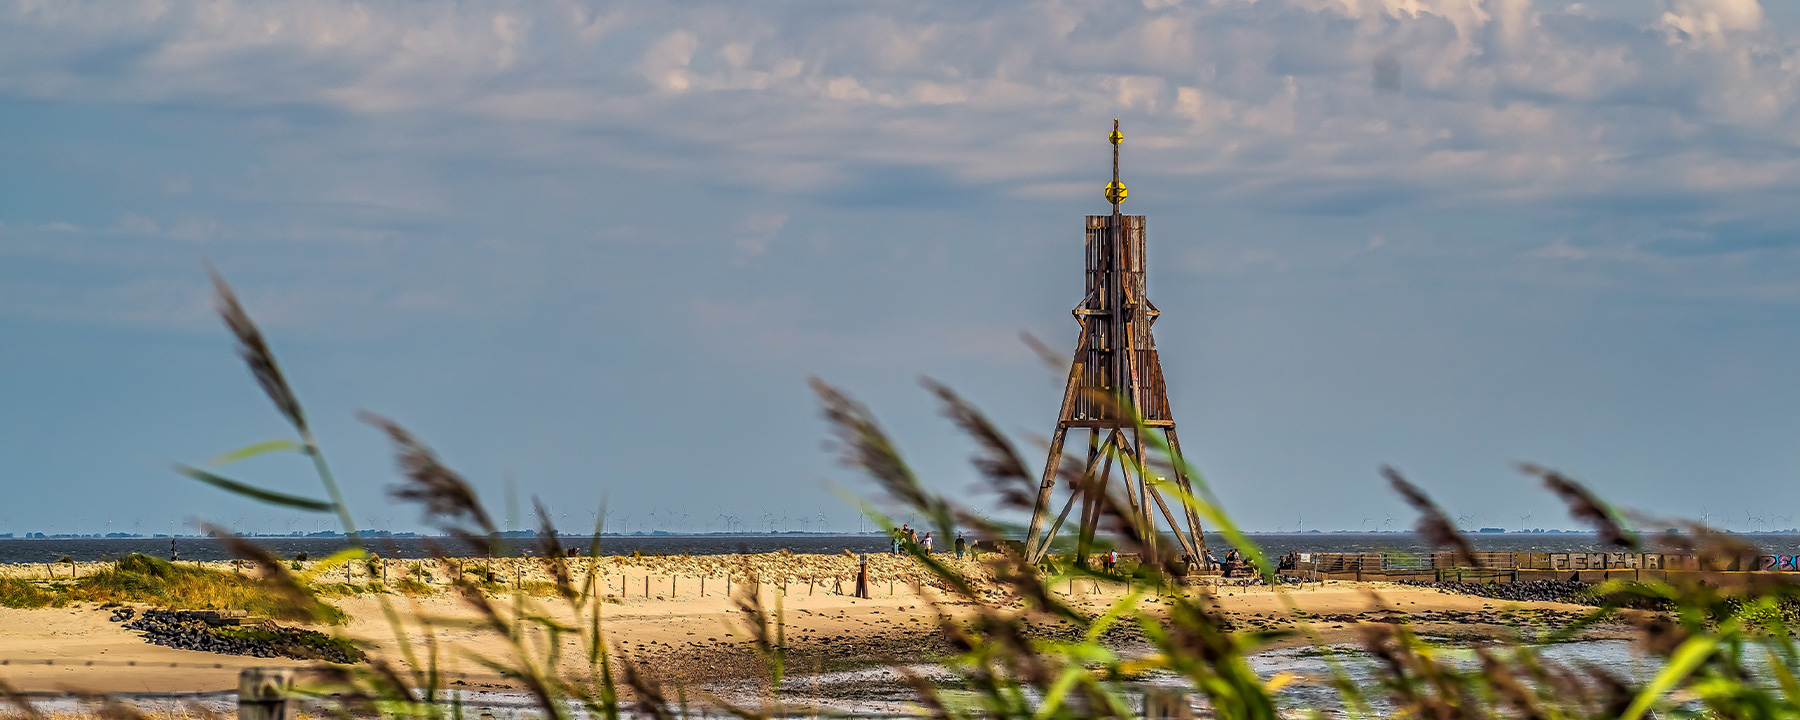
(264, 694)
(1160, 702)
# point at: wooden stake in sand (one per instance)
(263, 694)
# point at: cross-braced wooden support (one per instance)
(1116, 392)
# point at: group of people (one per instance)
(1235, 563)
(906, 537)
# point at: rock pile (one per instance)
(1563, 591)
(208, 631)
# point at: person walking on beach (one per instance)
(926, 543)
(1111, 561)
(961, 545)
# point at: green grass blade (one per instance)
(249, 451)
(255, 493)
(1684, 660)
(1060, 689)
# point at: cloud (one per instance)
(1711, 20)
(758, 230)
(1342, 108)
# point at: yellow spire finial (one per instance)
(1115, 192)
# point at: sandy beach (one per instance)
(672, 615)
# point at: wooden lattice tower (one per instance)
(1116, 372)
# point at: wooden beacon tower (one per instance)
(1116, 374)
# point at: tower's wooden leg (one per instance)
(1050, 535)
(1032, 549)
(1117, 441)
(1174, 527)
(1084, 531)
(1196, 531)
(1150, 494)
(1087, 472)
(1054, 461)
(1142, 467)
(1102, 483)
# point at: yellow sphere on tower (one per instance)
(1115, 192)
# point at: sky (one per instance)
(598, 248)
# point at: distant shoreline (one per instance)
(20, 550)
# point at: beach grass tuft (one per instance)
(146, 580)
(24, 594)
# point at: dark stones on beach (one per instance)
(1563, 591)
(209, 631)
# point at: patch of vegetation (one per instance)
(295, 643)
(343, 589)
(146, 580)
(538, 588)
(26, 594)
(154, 581)
(413, 587)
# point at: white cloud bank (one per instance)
(1504, 99)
